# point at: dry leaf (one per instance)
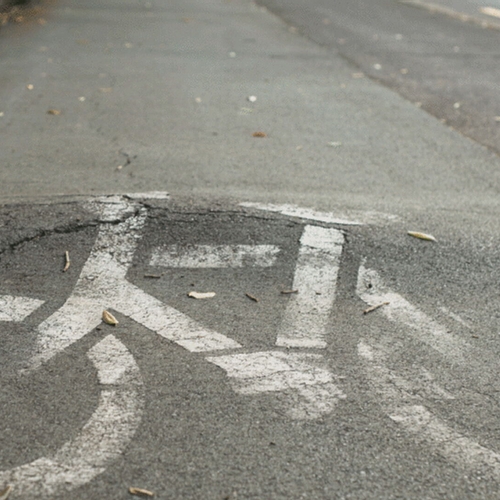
(4, 494)
(54, 112)
(68, 262)
(259, 134)
(422, 236)
(288, 292)
(374, 308)
(140, 491)
(108, 318)
(199, 295)
(251, 297)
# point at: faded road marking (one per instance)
(308, 312)
(405, 408)
(103, 285)
(309, 391)
(102, 439)
(371, 289)
(216, 256)
(17, 308)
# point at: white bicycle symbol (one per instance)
(295, 368)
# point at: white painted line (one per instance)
(17, 308)
(406, 409)
(372, 290)
(345, 219)
(102, 439)
(303, 213)
(308, 390)
(149, 195)
(307, 314)
(217, 256)
(102, 285)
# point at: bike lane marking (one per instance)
(102, 439)
(17, 309)
(372, 290)
(407, 410)
(308, 311)
(102, 284)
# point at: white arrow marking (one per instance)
(372, 290)
(308, 311)
(103, 285)
(420, 422)
(102, 439)
(216, 256)
(17, 308)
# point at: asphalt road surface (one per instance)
(335, 355)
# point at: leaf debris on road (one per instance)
(140, 491)
(421, 236)
(375, 307)
(54, 112)
(4, 494)
(201, 295)
(108, 318)
(68, 261)
(252, 297)
(288, 292)
(259, 134)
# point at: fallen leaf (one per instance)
(200, 295)
(421, 236)
(54, 112)
(68, 262)
(4, 494)
(374, 308)
(259, 134)
(288, 292)
(140, 491)
(252, 297)
(108, 318)
(30, 86)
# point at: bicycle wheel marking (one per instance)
(306, 317)
(371, 289)
(101, 440)
(404, 408)
(17, 309)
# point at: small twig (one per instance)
(288, 292)
(251, 297)
(374, 308)
(68, 262)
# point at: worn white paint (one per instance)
(149, 195)
(102, 439)
(17, 308)
(372, 290)
(352, 218)
(215, 256)
(308, 389)
(404, 405)
(103, 285)
(308, 312)
(303, 213)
